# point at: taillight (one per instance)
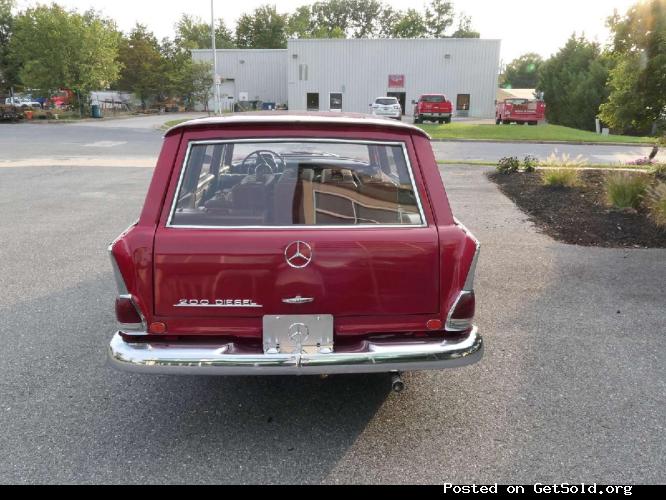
(462, 313)
(127, 313)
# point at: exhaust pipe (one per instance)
(396, 383)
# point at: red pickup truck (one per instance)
(434, 108)
(520, 111)
(275, 244)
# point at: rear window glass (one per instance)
(387, 101)
(433, 98)
(296, 183)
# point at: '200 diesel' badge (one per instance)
(298, 254)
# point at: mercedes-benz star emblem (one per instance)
(298, 254)
(299, 333)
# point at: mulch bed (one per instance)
(580, 215)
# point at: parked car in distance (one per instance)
(277, 243)
(387, 107)
(520, 111)
(62, 99)
(23, 102)
(433, 108)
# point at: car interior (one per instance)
(279, 184)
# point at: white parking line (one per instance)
(104, 144)
(82, 161)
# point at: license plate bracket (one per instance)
(298, 334)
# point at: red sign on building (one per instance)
(396, 81)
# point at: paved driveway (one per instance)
(136, 142)
(572, 387)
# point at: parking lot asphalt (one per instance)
(572, 387)
(136, 142)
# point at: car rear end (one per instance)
(335, 253)
(523, 111)
(388, 107)
(435, 107)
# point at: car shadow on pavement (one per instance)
(92, 423)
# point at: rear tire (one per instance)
(532, 124)
(417, 119)
(506, 122)
(447, 120)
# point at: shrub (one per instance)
(508, 165)
(564, 161)
(656, 204)
(659, 171)
(560, 177)
(625, 190)
(530, 163)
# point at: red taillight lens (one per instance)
(126, 312)
(461, 316)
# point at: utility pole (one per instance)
(216, 77)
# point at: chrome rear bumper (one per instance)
(369, 357)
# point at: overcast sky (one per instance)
(523, 25)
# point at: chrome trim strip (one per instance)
(378, 357)
(471, 273)
(403, 145)
(120, 281)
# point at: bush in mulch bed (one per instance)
(581, 215)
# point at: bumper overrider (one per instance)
(367, 357)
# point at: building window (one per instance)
(312, 101)
(303, 72)
(462, 103)
(336, 102)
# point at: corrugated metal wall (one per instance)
(260, 73)
(360, 69)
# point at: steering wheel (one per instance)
(265, 159)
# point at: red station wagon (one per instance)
(274, 244)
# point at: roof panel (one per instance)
(278, 117)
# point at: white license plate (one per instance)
(308, 334)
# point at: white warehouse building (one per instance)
(348, 74)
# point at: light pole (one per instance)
(216, 78)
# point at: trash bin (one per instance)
(96, 111)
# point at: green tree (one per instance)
(523, 72)
(333, 14)
(439, 17)
(304, 24)
(201, 83)
(263, 29)
(465, 29)
(143, 65)
(57, 48)
(194, 33)
(409, 24)
(637, 101)
(364, 15)
(574, 84)
(7, 72)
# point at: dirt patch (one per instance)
(580, 215)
